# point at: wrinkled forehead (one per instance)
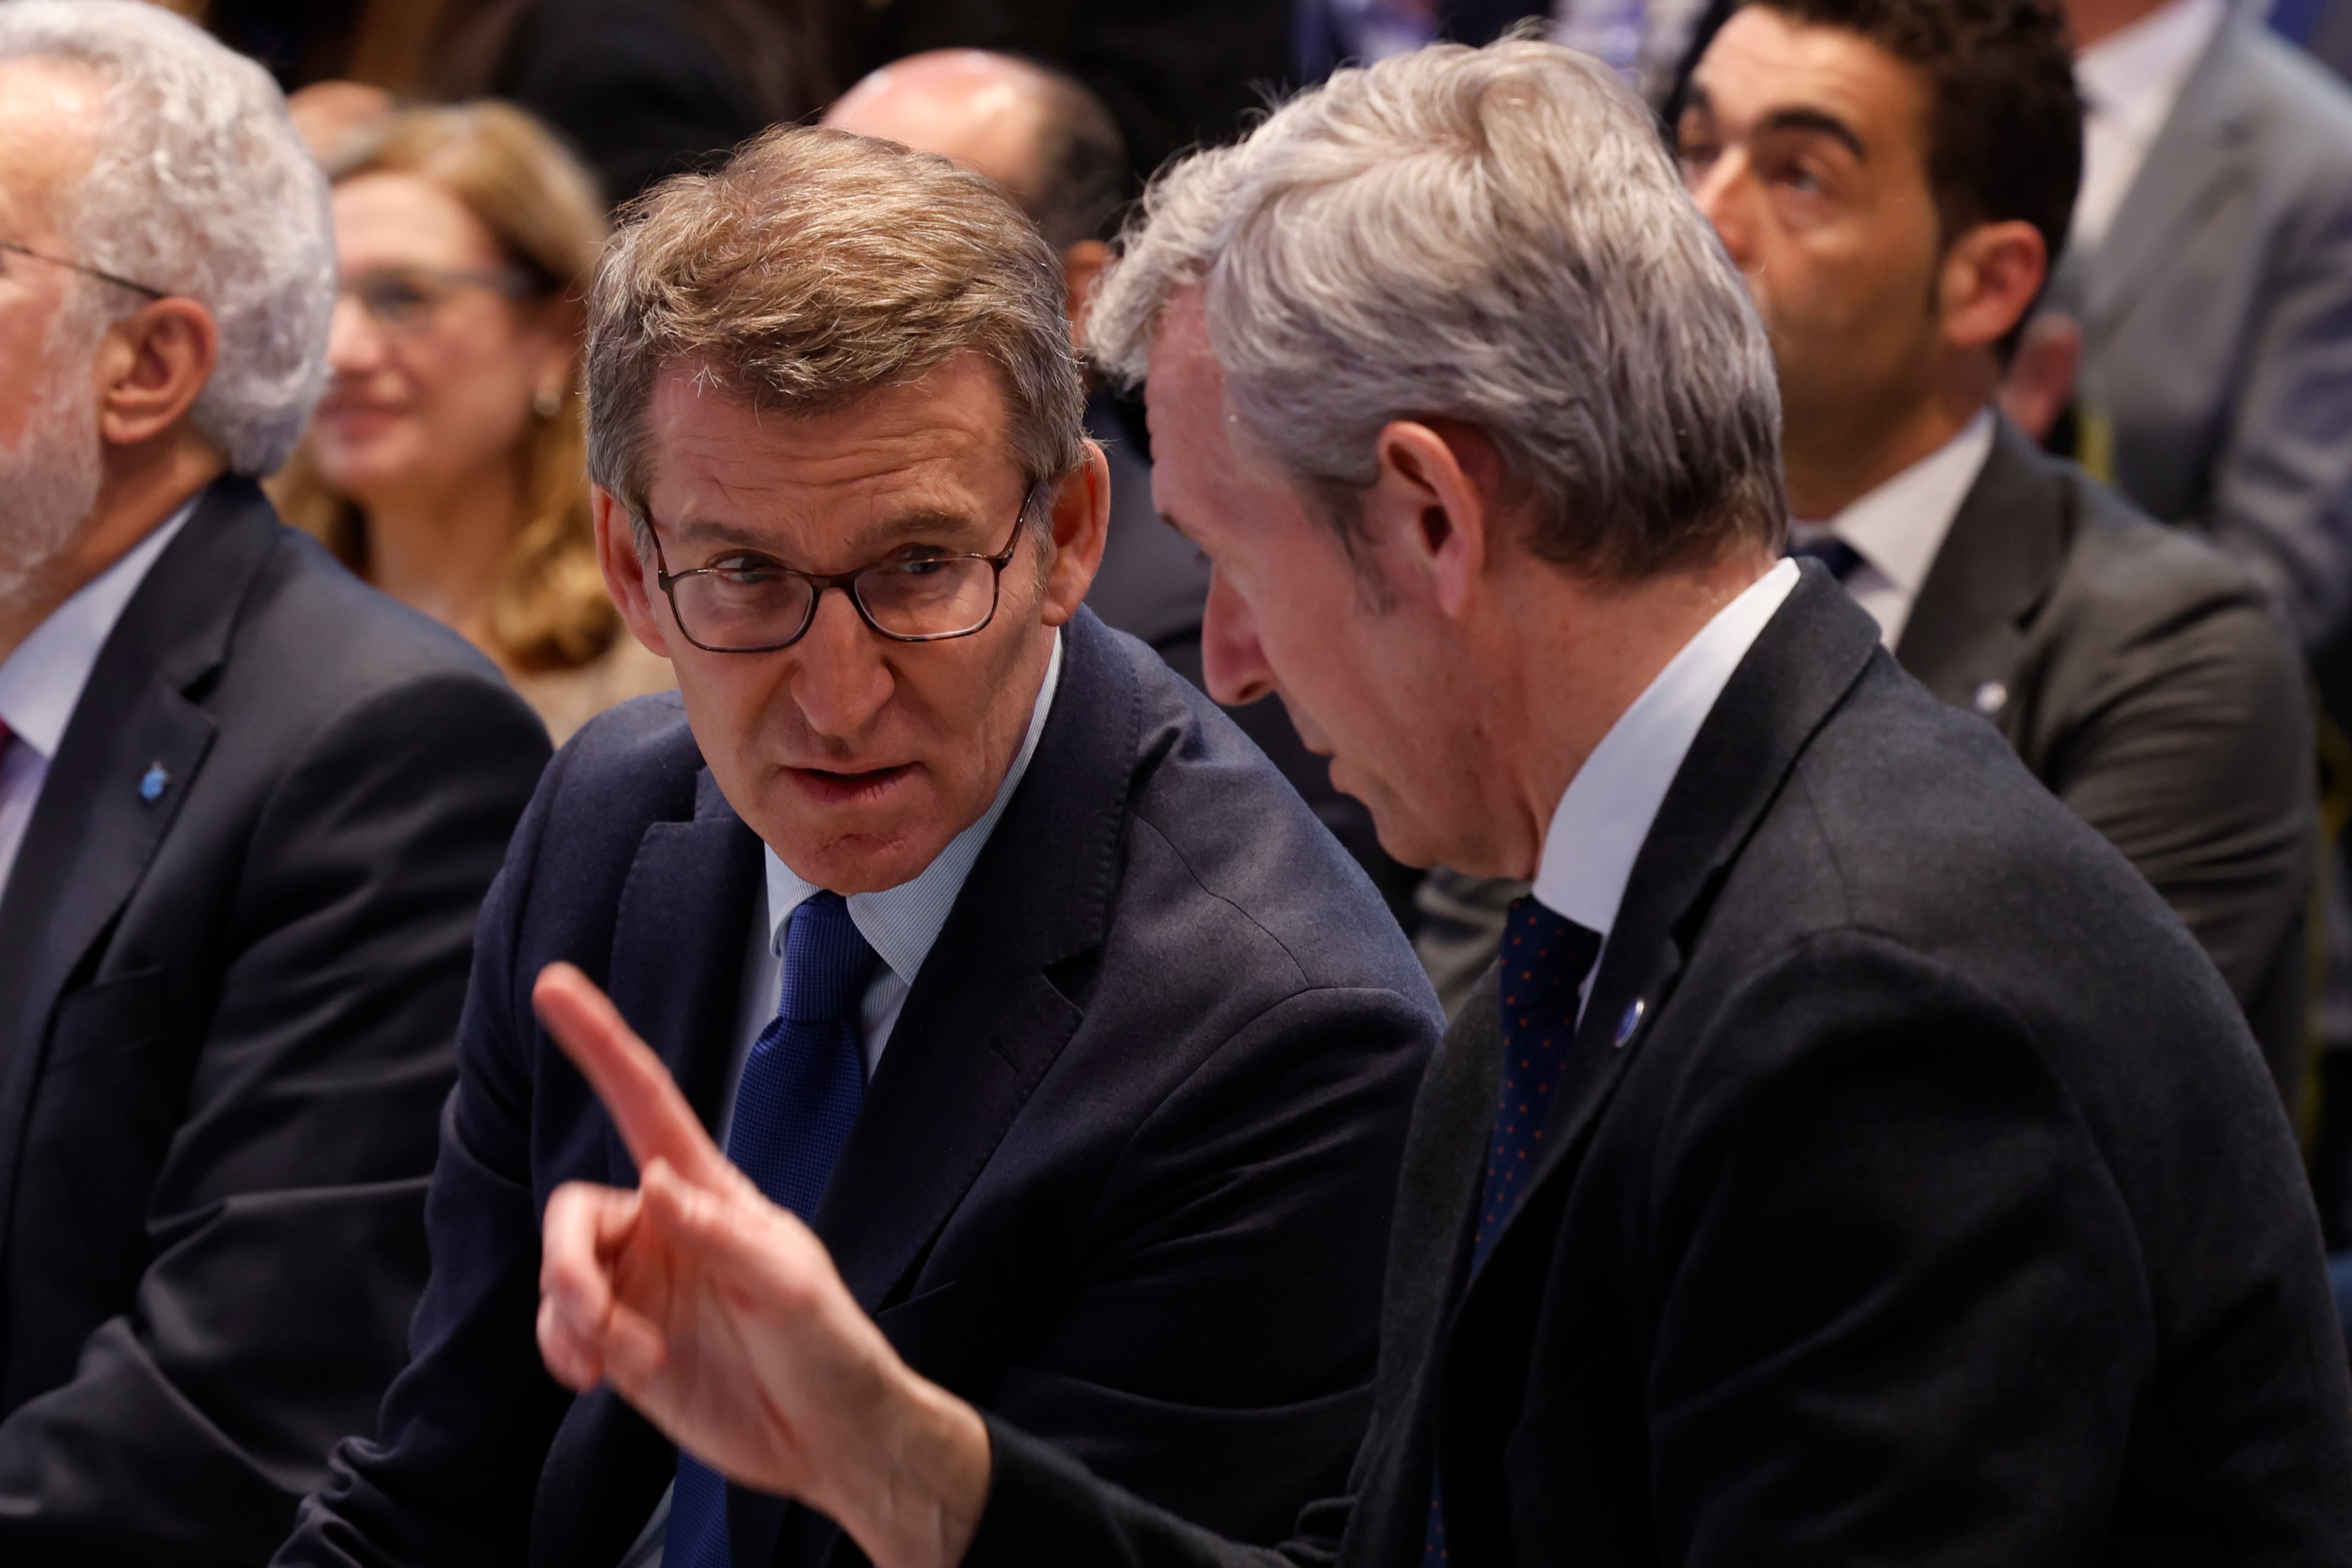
(1766, 71)
(935, 448)
(49, 116)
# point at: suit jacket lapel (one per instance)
(682, 929)
(1801, 666)
(985, 1018)
(2192, 167)
(94, 830)
(1997, 568)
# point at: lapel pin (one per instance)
(153, 782)
(1630, 1021)
(1990, 698)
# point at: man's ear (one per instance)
(1081, 527)
(152, 366)
(628, 577)
(1433, 507)
(1990, 278)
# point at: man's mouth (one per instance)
(836, 786)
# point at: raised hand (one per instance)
(721, 1317)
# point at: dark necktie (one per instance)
(799, 1097)
(1832, 551)
(1539, 986)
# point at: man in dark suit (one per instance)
(1852, 1159)
(2141, 674)
(1052, 145)
(1094, 1052)
(248, 808)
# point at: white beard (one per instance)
(50, 481)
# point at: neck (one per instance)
(439, 551)
(143, 488)
(1615, 638)
(1828, 465)
(2091, 21)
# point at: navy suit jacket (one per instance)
(1123, 1174)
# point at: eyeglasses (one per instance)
(403, 300)
(750, 604)
(98, 272)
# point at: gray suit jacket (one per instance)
(2217, 319)
(2144, 678)
(2145, 681)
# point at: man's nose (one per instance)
(1722, 194)
(1231, 660)
(354, 342)
(840, 681)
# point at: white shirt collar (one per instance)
(902, 922)
(41, 683)
(1899, 527)
(2131, 81)
(1606, 813)
(2136, 74)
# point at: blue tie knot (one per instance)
(1832, 551)
(827, 961)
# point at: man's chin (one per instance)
(855, 832)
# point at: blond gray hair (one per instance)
(817, 267)
(199, 188)
(1492, 235)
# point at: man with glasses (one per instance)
(974, 934)
(248, 810)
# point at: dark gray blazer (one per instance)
(2217, 319)
(1933, 1208)
(2145, 678)
(228, 1019)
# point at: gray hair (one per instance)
(1492, 235)
(200, 188)
(817, 267)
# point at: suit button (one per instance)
(1990, 698)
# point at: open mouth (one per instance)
(833, 787)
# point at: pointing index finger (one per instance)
(655, 1120)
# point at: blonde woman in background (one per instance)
(445, 464)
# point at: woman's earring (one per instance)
(548, 402)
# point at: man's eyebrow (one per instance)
(1817, 123)
(1696, 99)
(906, 527)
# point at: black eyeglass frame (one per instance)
(668, 581)
(83, 266)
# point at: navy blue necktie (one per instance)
(799, 1097)
(1832, 551)
(1539, 987)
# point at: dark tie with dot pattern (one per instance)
(1539, 986)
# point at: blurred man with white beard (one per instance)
(247, 809)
